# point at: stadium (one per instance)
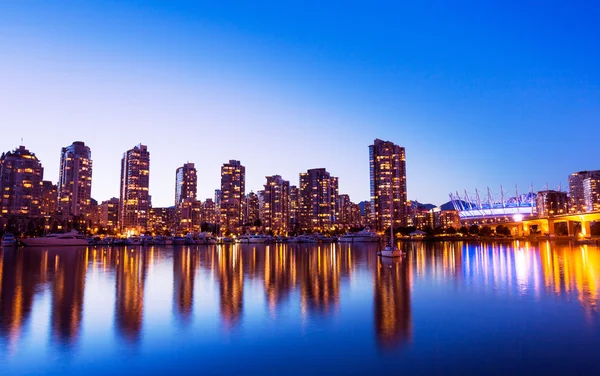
(493, 208)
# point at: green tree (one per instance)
(486, 231)
(474, 230)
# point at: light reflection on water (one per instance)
(171, 303)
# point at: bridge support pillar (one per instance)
(586, 229)
(551, 230)
(571, 228)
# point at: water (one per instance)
(300, 309)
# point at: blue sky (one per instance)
(479, 93)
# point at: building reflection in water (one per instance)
(565, 270)
(185, 264)
(393, 325)
(230, 275)
(280, 274)
(131, 264)
(16, 296)
(319, 274)
(68, 287)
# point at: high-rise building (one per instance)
(186, 182)
(209, 212)
(318, 195)
(344, 210)
(577, 192)
(591, 193)
(251, 209)
(550, 203)
(190, 215)
(49, 200)
(75, 179)
(109, 214)
(276, 205)
(388, 183)
(162, 220)
(21, 176)
(233, 191)
(134, 203)
(294, 208)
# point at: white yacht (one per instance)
(243, 239)
(225, 240)
(133, 240)
(8, 240)
(306, 239)
(66, 239)
(257, 239)
(364, 236)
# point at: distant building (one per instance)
(294, 208)
(318, 195)
(21, 175)
(209, 212)
(577, 192)
(135, 198)
(343, 210)
(444, 218)
(276, 205)
(162, 220)
(109, 214)
(388, 183)
(49, 200)
(367, 214)
(233, 181)
(75, 179)
(251, 209)
(550, 203)
(190, 215)
(591, 193)
(186, 183)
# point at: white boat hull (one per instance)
(40, 242)
(388, 252)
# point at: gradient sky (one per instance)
(479, 93)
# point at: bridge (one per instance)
(574, 225)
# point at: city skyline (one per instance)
(479, 113)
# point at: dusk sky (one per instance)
(479, 93)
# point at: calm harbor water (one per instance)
(300, 309)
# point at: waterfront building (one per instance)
(388, 183)
(21, 175)
(294, 208)
(209, 212)
(444, 218)
(343, 210)
(49, 198)
(109, 214)
(190, 215)
(550, 203)
(367, 214)
(186, 183)
(233, 180)
(577, 191)
(134, 200)
(162, 220)
(318, 194)
(591, 193)
(276, 205)
(75, 179)
(251, 209)
(355, 215)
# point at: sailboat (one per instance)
(391, 250)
